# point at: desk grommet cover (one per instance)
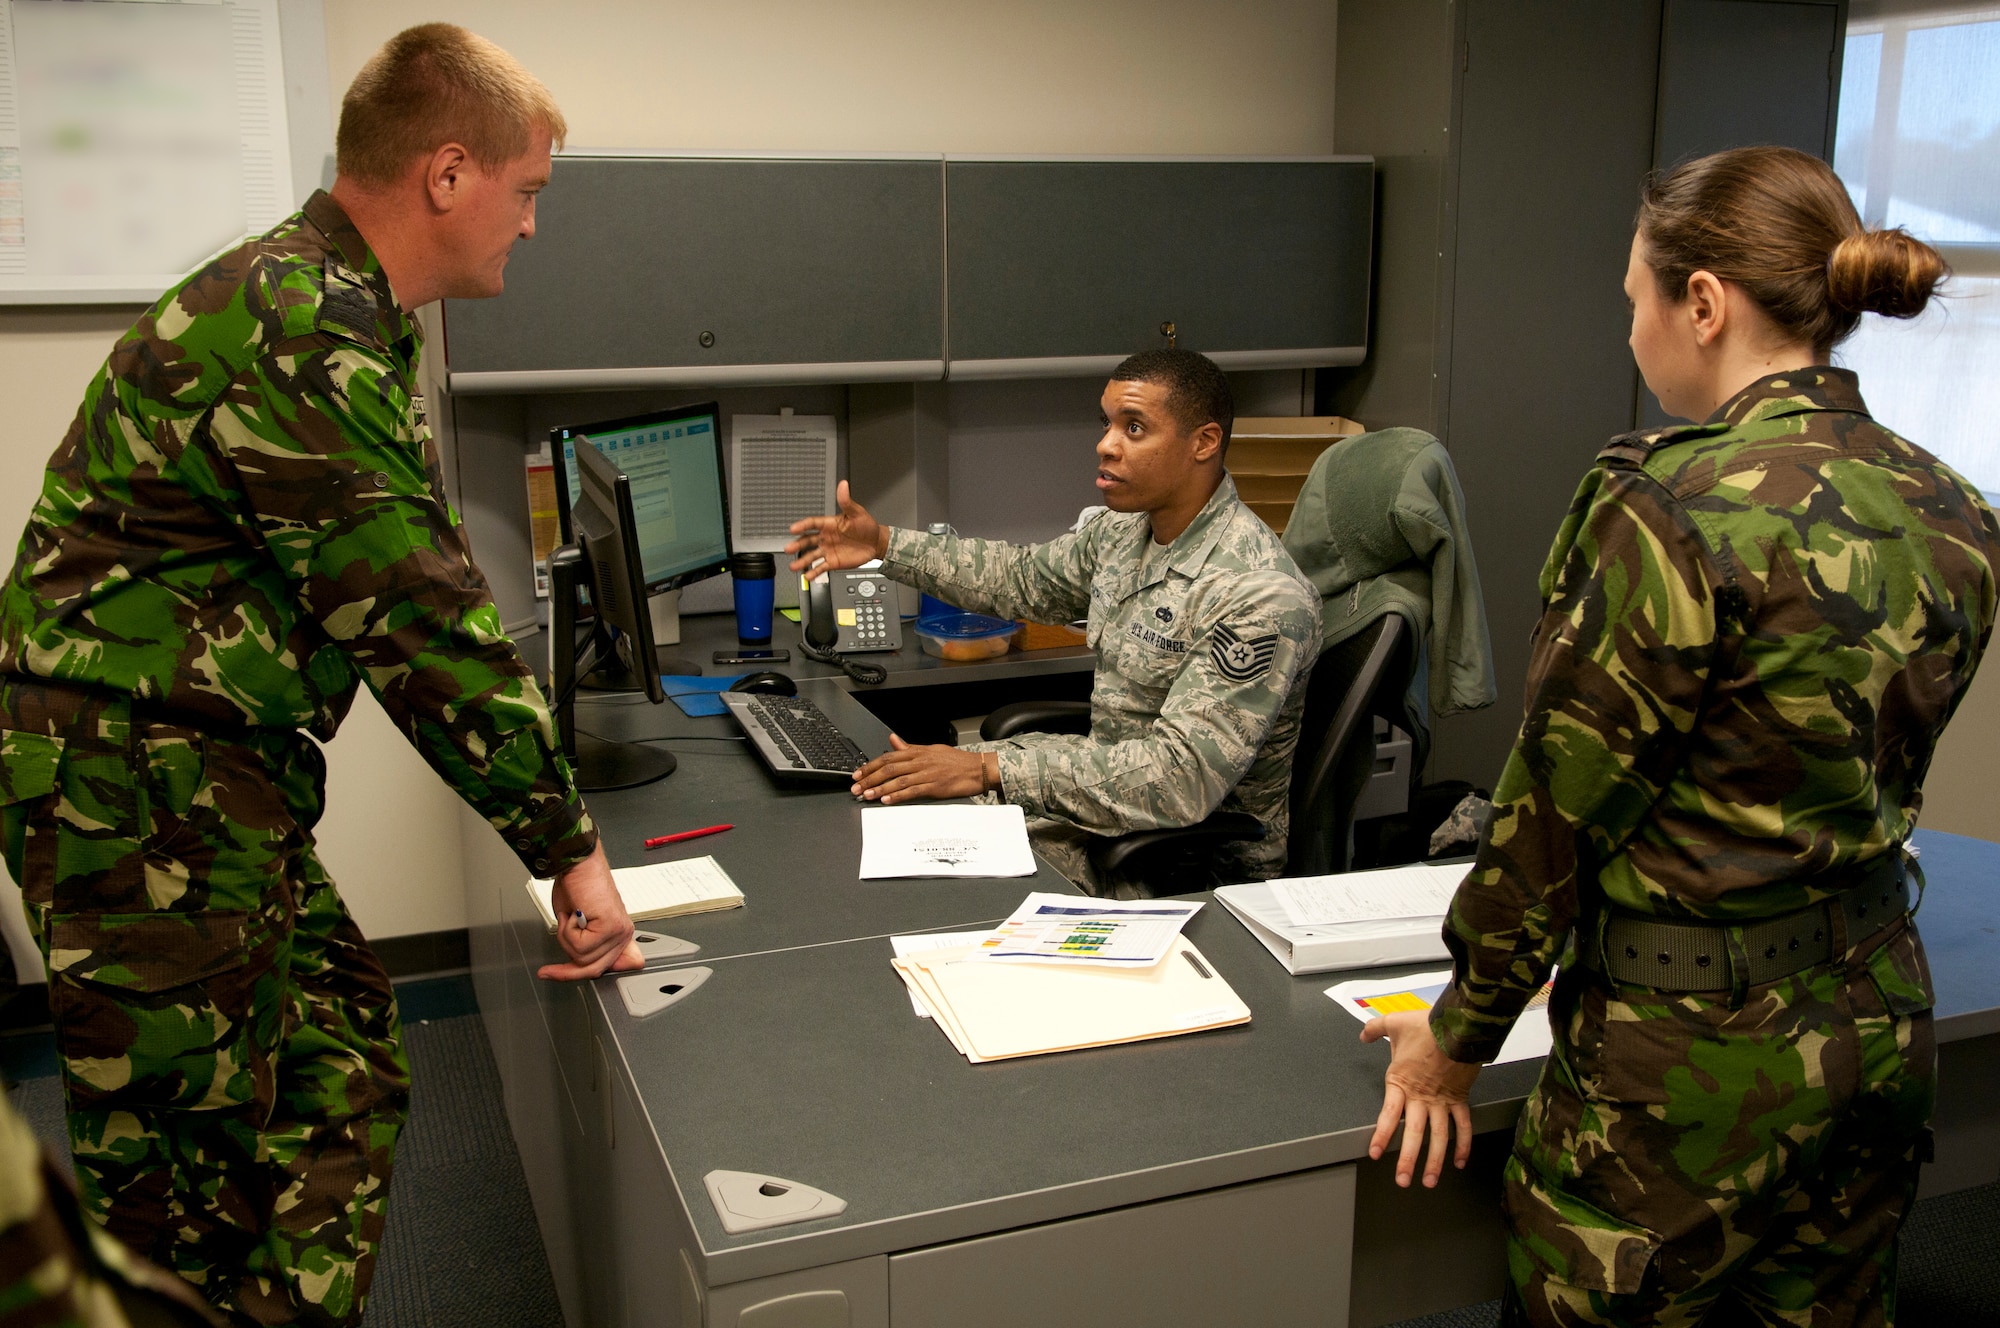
(746, 1201)
(649, 993)
(656, 945)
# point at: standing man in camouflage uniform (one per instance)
(1201, 622)
(1754, 630)
(245, 523)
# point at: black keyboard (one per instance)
(795, 737)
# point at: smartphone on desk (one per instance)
(753, 656)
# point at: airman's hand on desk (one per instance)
(1424, 1088)
(847, 538)
(905, 773)
(600, 941)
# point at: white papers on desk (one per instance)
(933, 940)
(658, 890)
(1369, 998)
(1420, 890)
(994, 1012)
(1071, 929)
(1365, 943)
(945, 841)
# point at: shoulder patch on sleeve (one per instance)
(1241, 660)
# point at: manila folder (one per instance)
(1007, 1010)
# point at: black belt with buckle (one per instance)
(1677, 956)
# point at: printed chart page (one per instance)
(1065, 929)
(1370, 998)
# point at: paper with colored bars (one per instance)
(1072, 929)
(992, 1012)
(1368, 998)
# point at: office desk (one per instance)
(1214, 1178)
(703, 634)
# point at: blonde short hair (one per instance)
(435, 84)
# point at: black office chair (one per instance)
(1351, 684)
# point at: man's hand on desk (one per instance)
(905, 773)
(847, 538)
(601, 941)
(1424, 1088)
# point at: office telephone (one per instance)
(851, 612)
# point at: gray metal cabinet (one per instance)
(713, 271)
(1512, 138)
(1068, 266)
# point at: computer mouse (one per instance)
(766, 683)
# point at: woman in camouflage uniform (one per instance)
(1754, 629)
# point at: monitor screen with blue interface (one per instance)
(674, 460)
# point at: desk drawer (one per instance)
(1272, 1253)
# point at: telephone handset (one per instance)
(851, 612)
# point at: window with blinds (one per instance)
(1918, 146)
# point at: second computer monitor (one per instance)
(673, 459)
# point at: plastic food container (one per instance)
(962, 636)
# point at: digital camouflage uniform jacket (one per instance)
(1753, 631)
(247, 520)
(1194, 706)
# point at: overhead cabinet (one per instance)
(1068, 266)
(713, 271)
(720, 271)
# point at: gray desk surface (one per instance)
(795, 850)
(814, 1067)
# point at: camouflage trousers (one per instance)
(1680, 1156)
(229, 1045)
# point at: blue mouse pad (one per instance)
(697, 697)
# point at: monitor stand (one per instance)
(613, 676)
(600, 766)
(603, 766)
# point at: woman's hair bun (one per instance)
(1887, 272)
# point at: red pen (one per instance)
(688, 834)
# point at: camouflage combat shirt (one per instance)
(1193, 708)
(1753, 631)
(247, 520)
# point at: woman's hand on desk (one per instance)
(847, 538)
(592, 926)
(905, 773)
(1425, 1089)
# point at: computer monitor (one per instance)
(673, 459)
(604, 555)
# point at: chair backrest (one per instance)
(1351, 684)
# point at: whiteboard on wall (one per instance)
(137, 138)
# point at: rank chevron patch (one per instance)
(1239, 660)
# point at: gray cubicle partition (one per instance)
(710, 271)
(1068, 266)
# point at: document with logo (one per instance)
(944, 841)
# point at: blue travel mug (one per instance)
(756, 578)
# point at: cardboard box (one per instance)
(1270, 455)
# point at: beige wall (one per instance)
(1957, 794)
(1068, 76)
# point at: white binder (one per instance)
(1323, 948)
